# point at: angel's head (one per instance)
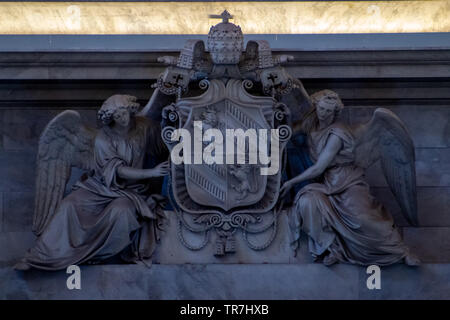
(118, 109)
(326, 106)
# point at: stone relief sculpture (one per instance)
(109, 212)
(342, 220)
(226, 88)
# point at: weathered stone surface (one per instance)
(22, 127)
(172, 251)
(17, 170)
(14, 245)
(307, 281)
(428, 281)
(375, 93)
(1, 135)
(56, 95)
(432, 169)
(227, 282)
(134, 56)
(19, 207)
(433, 205)
(1, 212)
(429, 126)
(432, 245)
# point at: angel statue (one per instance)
(108, 212)
(344, 223)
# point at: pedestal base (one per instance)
(171, 250)
(219, 281)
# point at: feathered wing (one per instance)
(386, 138)
(64, 143)
(297, 100)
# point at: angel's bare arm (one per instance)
(334, 144)
(161, 169)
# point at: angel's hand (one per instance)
(160, 170)
(285, 188)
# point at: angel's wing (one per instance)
(297, 100)
(64, 143)
(386, 138)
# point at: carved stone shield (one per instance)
(225, 188)
(225, 185)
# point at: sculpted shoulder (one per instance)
(340, 127)
(344, 132)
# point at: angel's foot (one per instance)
(330, 259)
(412, 260)
(22, 266)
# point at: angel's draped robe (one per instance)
(339, 215)
(104, 214)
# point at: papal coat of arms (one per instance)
(226, 118)
(226, 114)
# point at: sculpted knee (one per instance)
(68, 202)
(121, 205)
(307, 198)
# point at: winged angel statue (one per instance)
(110, 210)
(344, 223)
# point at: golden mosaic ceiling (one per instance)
(254, 17)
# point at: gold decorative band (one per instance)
(254, 17)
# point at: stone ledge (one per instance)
(432, 41)
(228, 282)
(95, 62)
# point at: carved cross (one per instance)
(177, 78)
(272, 77)
(225, 16)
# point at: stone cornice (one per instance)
(143, 65)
